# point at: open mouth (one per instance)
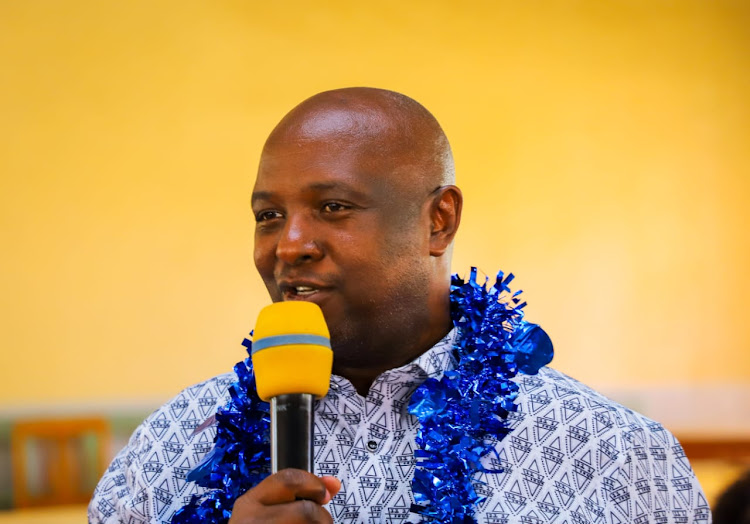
(303, 291)
(300, 291)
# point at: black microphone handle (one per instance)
(292, 432)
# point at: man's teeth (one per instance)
(304, 290)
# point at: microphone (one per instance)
(292, 360)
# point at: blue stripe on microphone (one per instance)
(284, 340)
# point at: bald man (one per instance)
(354, 200)
(356, 210)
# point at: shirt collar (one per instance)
(430, 364)
(440, 357)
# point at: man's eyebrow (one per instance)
(317, 186)
(324, 186)
(260, 195)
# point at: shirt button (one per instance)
(372, 445)
(335, 387)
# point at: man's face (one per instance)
(338, 225)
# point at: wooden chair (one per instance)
(58, 461)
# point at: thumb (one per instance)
(333, 485)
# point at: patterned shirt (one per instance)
(573, 456)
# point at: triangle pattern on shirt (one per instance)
(179, 475)
(369, 484)
(207, 403)
(573, 456)
(514, 498)
(358, 457)
(152, 468)
(173, 448)
(159, 425)
(162, 498)
(545, 426)
(548, 507)
(538, 402)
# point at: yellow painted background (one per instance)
(602, 147)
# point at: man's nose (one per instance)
(297, 242)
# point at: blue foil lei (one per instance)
(461, 417)
(241, 455)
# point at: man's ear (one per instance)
(445, 216)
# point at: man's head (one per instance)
(356, 211)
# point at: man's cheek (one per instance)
(273, 289)
(259, 261)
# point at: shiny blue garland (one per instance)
(462, 416)
(241, 456)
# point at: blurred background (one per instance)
(602, 147)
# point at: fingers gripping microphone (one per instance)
(292, 359)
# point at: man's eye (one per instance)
(332, 207)
(265, 216)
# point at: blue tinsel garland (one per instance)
(462, 416)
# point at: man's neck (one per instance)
(362, 377)
(366, 355)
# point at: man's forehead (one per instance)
(359, 124)
(347, 168)
(322, 164)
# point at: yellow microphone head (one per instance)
(291, 350)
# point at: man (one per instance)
(356, 211)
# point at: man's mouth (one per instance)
(300, 291)
(304, 291)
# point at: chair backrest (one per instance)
(57, 461)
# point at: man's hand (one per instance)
(289, 496)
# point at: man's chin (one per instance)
(350, 350)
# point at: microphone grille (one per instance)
(288, 318)
(291, 350)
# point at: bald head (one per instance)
(386, 124)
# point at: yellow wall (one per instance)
(602, 148)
